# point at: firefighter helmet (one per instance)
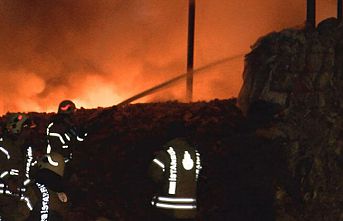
(66, 107)
(16, 122)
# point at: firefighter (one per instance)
(16, 159)
(175, 169)
(50, 189)
(62, 135)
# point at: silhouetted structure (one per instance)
(190, 53)
(339, 10)
(311, 14)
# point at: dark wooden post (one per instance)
(311, 14)
(190, 53)
(339, 10)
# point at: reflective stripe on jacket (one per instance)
(176, 169)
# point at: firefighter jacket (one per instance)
(16, 159)
(176, 169)
(62, 136)
(51, 175)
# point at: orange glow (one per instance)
(96, 92)
(98, 53)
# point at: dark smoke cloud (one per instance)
(101, 52)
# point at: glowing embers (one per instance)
(187, 161)
(172, 171)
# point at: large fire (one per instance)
(99, 53)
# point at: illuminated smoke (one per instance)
(100, 52)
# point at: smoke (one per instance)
(98, 53)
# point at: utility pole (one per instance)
(190, 51)
(339, 10)
(311, 15)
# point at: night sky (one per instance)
(101, 52)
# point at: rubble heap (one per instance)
(110, 179)
(303, 71)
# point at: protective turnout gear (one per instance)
(51, 170)
(62, 135)
(16, 159)
(53, 162)
(16, 122)
(176, 169)
(46, 205)
(14, 179)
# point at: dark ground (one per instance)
(241, 175)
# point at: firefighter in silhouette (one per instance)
(175, 170)
(16, 158)
(62, 135)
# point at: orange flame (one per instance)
(98, 53)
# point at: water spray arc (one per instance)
(176, 79)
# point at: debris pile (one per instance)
(303, 72)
